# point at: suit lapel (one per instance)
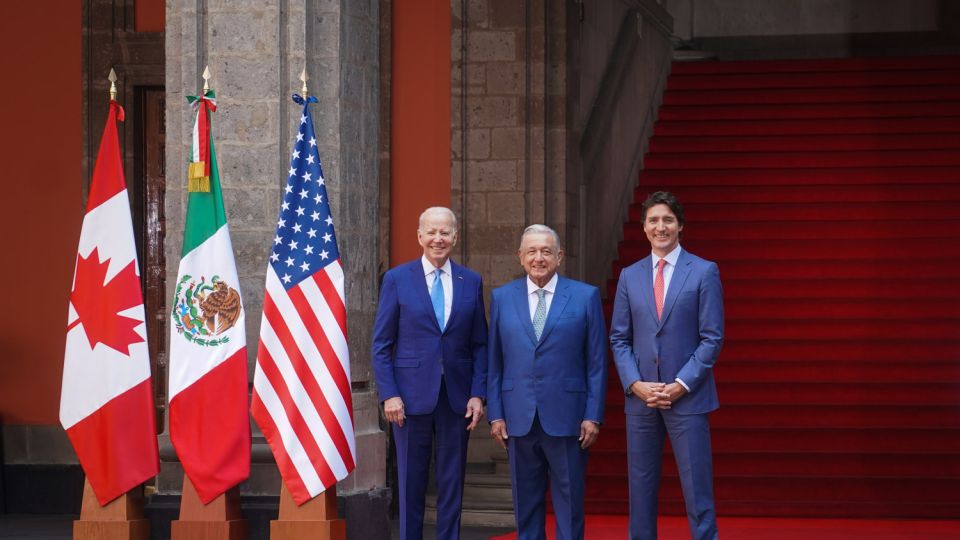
(457, 279)
(420, 285)
(560, 297)
(646, 286)
(522, 306)
(679, 277)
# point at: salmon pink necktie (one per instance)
(658, 287)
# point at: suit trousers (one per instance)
(690, 440)
(533, 458)
(414, 449)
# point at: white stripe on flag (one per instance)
(309, 349)
(334, 333)
(298, 393)
(288, 437)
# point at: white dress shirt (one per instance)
(446, 280)
(671, 259)
(533, 298)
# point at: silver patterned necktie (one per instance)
(540, 314)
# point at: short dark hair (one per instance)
(667, 198)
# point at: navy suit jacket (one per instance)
(409, 348)
(563, 377)
(683, 344)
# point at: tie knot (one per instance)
(438, 271)
(661, 263)
(541, 293)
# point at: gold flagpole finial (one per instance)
(304, 78)
(206, 79)
(113, 84)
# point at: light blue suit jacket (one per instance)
(563, 376)
(683, 344)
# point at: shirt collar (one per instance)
(550, 287)
(429, 268)
(671, 257)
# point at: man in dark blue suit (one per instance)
(429, 360)
(666, 333)
(547, 380)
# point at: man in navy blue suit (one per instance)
(666, 333)
(429, 361)
(547, 380)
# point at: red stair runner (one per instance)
(828, 191)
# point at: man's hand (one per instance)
(589, 431)
(498, 430)
(674, 391)
(393, 410)
(474, 410)
(652, 393)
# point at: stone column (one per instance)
(256, 51)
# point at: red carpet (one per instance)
(675, 528)
(828, 191)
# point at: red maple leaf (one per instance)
(98, 304)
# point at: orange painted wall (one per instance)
(420, 119)
(41, 209)
(150, 15)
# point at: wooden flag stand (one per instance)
(219, 520)
(121, 518)
(316, 518)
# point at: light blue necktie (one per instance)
(540, 314)
(436, 297)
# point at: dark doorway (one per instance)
(147, 200)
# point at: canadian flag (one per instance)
(106, 403)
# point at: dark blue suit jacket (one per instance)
(409, 347)
(563, 377)
(684, 343)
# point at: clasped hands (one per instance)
(393, 410)
(658, 395)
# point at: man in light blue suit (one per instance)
(430, 365)
(546, 387)
(666, 333)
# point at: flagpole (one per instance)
(221, 518)
(122, 518)
(316, 518)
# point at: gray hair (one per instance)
(537, 228)
(438, 210)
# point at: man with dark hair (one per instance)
(666, 333)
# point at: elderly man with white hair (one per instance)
(547, 383)
(430, 365)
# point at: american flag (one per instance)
(301, 398)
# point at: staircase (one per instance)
(828, 191)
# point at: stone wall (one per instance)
(622, 58)
(508, 129)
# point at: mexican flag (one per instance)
(209, 426)
(106, 403)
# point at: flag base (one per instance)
(219, 520)
(316, 518)
(121, 518)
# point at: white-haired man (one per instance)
(429, 361)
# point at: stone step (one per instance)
(501, 463)
(482, 487)
(487, 495)
(487, 514)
